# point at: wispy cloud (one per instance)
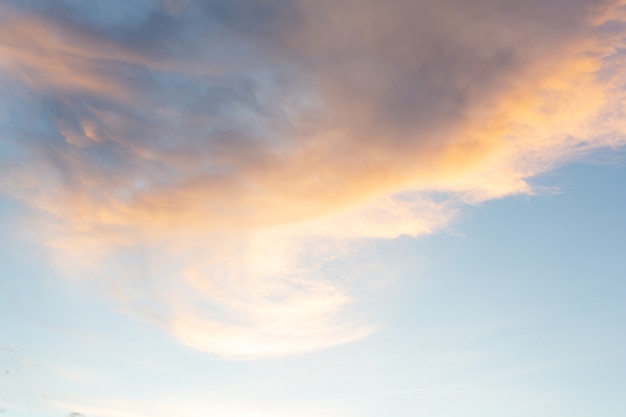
(201, 157)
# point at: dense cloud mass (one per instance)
(234, 146)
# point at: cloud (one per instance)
(206, 160)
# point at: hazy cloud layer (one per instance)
(204, 160)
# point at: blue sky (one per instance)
(339, 208)
(517, 308)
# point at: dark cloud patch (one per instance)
(274, 93)
(269, 103)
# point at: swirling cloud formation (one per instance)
(203, 160)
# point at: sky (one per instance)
(329, 208)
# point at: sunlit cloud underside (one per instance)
(202, 162)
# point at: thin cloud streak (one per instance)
(223, 144)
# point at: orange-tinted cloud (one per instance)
(326, 122)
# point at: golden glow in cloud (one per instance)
(234, 176)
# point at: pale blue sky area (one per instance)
(515, 310)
